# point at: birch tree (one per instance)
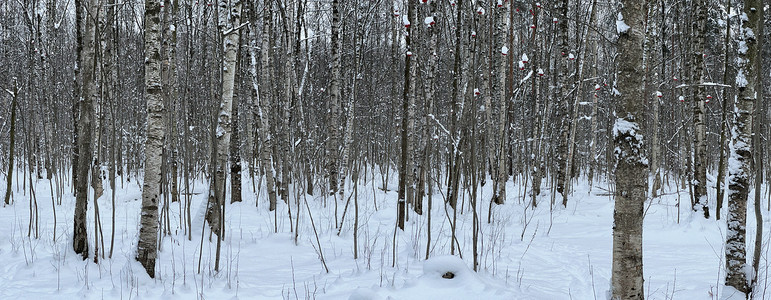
(740, 152)
(429, 91)
(406, 187)
(499, 141)
(147, 247)
(263, 96)
(563, 91)
(333, 115)
(230, 25)
(698, 98)
(631, 163)
(11, 145)
(86, 108)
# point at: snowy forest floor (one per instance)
(524, 253)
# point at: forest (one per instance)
(385, 149)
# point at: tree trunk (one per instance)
(12, 142)
(76, 92)
(429, 90)
(235, 143)
(499, 141)
(333, 118)
(632, 165)
(230, 23)
(699, 96)
(151, 191)
(456, 112)
(262, 111)
(723, 120)
(89, 94)
(563, 91)
(405, 167)
(741, 152)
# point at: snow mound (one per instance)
(447, 270)
(364, 294)
(444, 277)
(730, 293)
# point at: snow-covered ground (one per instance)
(524, 253)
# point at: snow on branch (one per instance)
(621, 27)
(229, 31)
(444, 129)
(703, 84)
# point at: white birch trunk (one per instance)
(147, 247)
(737, 268)
(333, 118)
(230, 18)
(631, 163)
(699, 127)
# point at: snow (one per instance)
(748, 33)
(526, 253)
(621, 27)
(622, 127)
(731, 293)
(529, 74)
(429, 21)
(741, 81)
(742, 47)
(220, 131)
(504, 50)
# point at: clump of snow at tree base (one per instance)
(525, 253)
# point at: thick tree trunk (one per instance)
(151, 191)
(405, 166)
(89, 94)
(235, 143)
(429, 90)
(563, 91)
(350, 117)
(262, 111)
(741, 153)
(499, 138)
(456, 113)
(230, 18)
(699, 96)
(333, 118)
(76, 92)
(632, 165)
